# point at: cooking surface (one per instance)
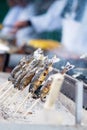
(36, 117)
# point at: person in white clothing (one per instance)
(26, 33)
(11, 17)
(74, 36)
(51, 20)
(19, 10)
(73, 25)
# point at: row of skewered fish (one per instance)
(36, 71)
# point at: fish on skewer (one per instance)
(30, 74)
(17, 69)
(45, 88)
(42, 74)
(37, 55)
(24, 68)
(36, 81)
(19, 66)
(23, 82)
(45, 84)
(34, 64)
(28, 62)
(39, 78)
(27, 79)
(25, 60)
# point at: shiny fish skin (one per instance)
(31, 66)
(45, 89)
(27, 79)
(42, 91)
(24, 63)
(39, 78)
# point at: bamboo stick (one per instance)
(15, 95)
(33, 105)
(19, 107)
(10, 88)
(4, 98)
(5, 85)
(13, 98)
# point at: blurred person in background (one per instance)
(26, 33)
(72, 23)
(11, 17)
(48, 21)
(19, 10)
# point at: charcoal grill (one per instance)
(68, 89)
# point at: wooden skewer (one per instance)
(33, 105)
(10, 88)
(5, 98)
(5, 85)
(13, 98)
(15, 95)
(28, 95)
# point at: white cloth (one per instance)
(51, 20)
(74, 36)
(11, 18)
(26, 33)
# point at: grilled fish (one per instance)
(26, 60)
(27, 79)
(31, 66)
(42, 91)
(39, 78)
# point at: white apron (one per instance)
(74, 34)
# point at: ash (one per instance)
(58, 115)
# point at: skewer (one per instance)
(5, 85)
(6, 91)
(5, 98)
(28, 95)
(33, 105)
(13, 98)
